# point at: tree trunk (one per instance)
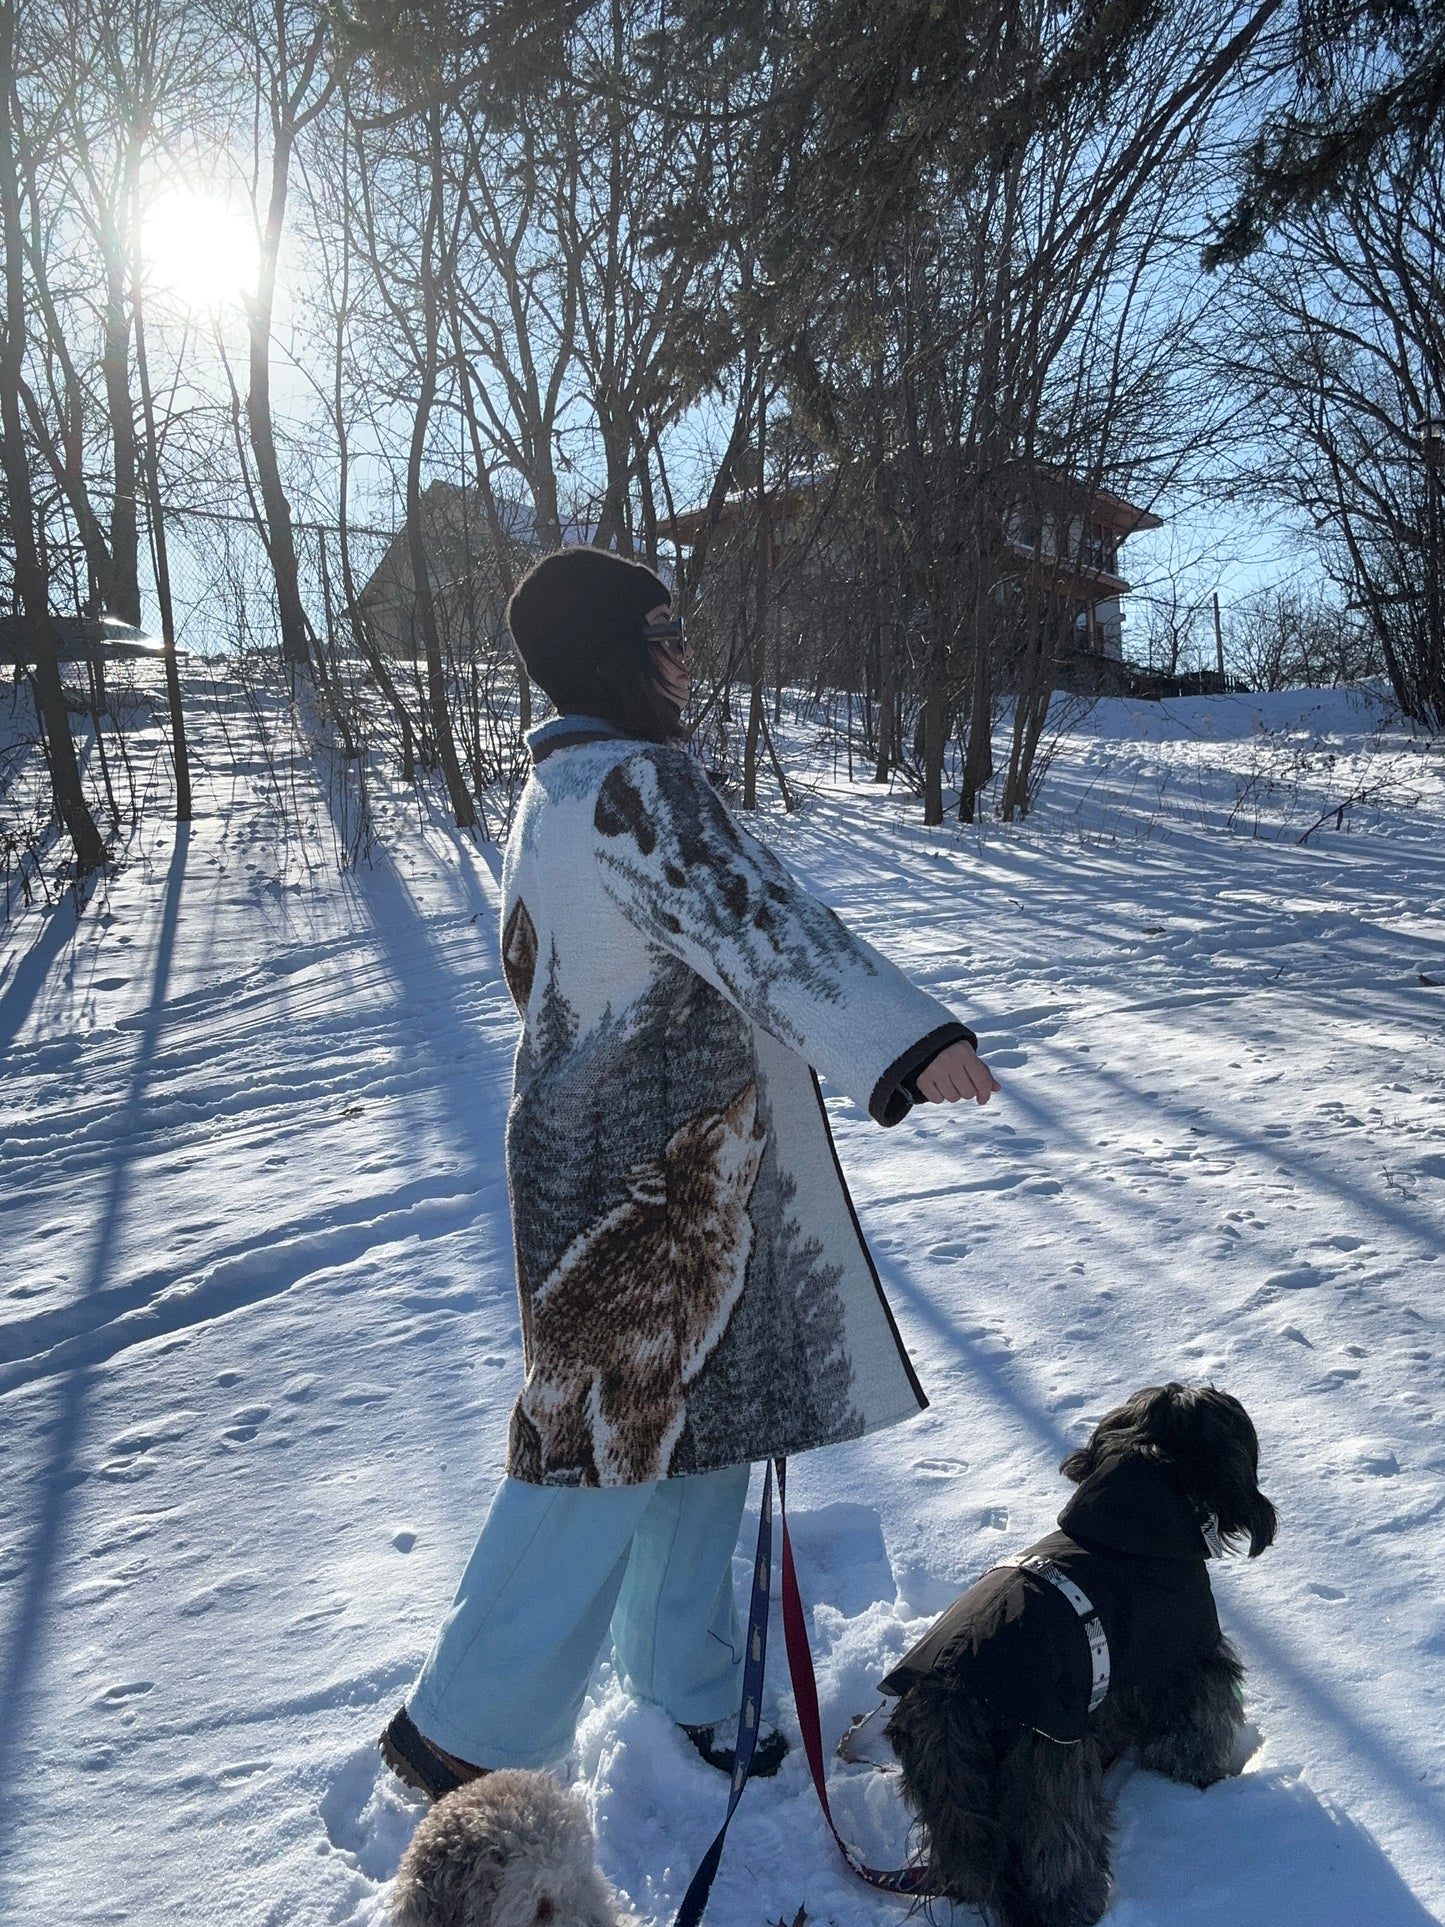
(280, 537)
(179, 752)
(124, 589)
(463, 807)
(365, 645)
(493, 515)
(978, 753)
(935, 720)
(114, 583)
(613, 530)
(757, 654)
(887, 703)
(1048, 611)
(70, 804)
(977, 771)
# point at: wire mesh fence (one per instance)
(367, 700)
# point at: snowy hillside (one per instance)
(258, 1338)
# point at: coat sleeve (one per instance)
(693, 881)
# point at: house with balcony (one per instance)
(1062, 539)
(1067, 537)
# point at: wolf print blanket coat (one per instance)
(695, 1291)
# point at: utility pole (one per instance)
(1218, 643)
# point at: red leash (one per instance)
(910, 1881)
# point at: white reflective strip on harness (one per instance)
(1084, 1607)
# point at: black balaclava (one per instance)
(573, 609)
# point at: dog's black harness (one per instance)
(1084, 1606)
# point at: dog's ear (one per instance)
(1079, 1464)
(1212, 1443)
(1260, 1522)
(1240, 1507)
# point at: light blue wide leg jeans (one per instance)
(554, 1566)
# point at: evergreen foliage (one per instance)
(1364, 74)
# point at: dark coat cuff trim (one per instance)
(895, 1094)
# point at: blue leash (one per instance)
(694, 1901)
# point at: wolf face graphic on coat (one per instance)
(636, 1305)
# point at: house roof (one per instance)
(1113, 511)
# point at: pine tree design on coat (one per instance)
(637, 1305)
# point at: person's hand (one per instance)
(955, 1073)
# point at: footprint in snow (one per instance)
(245, 1424)
(125, 1470)
(1324, 1592)
(161, 1431)
(934, 1470)
(235, 1586)
(1295, 1278)
(367, 1815)
(130, 1690)
(995, 1517)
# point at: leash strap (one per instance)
(694, 1901)
(1088, 1613)
(912, 1881)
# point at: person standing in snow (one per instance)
(695, 1291)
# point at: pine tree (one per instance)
(1366, 74)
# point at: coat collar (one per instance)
(566, 732)
(1132, 1505)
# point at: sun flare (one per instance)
(197, 252)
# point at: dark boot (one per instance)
(423, 1765)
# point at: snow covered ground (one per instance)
(258, 1337)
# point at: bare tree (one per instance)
(101, 66)
(285, 43)
(1300, 635)
(70, 803)
(1337, 356)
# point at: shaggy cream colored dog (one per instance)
(508, 1850)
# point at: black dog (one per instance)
(1100, 1640)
